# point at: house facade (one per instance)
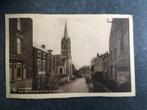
(119, 52)
(21, 56)
(100, 66)
(40, 61)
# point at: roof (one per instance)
(65, 32)
(35, 45)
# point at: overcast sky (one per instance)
(89, 35)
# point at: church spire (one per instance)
(65, 31)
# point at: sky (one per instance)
(89, 35)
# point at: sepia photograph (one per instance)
(69, 55)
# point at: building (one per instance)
(100, 66)
(97, 64)
(21, 55)
(32, 65)
(49, 62)
(106, 59)
(57, 63)
(46, 68)
(66, 67)
(86, 72)
(119, 52)
(40, 60)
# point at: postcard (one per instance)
(69, 55)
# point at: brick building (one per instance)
(49, 61)
(40, 66)
(21, 57)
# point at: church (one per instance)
(65, 67)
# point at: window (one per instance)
(61, 71)
(18, 24)
(15, 71)
(44, 65)
(121, 43)
(111, 54)
(111, 70)
(115, 69)
(63, 46)
(92, 68)
(44, 55)
(39, 65)
(39, 53)
(11, 72)
(38, 83)
(19, 46)
(115, 53)
(19, 70)
(24, 71)
(49, 56)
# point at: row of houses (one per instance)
(99, 65)
(32, 66)
(115, 66)
(85, 71)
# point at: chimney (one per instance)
(50, 50)
(98, 55)
(43, 46)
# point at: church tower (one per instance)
(65, 45)
(66, 54)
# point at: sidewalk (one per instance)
(98, 87)
(114, 87)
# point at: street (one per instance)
(80, 86)
(77, 85)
